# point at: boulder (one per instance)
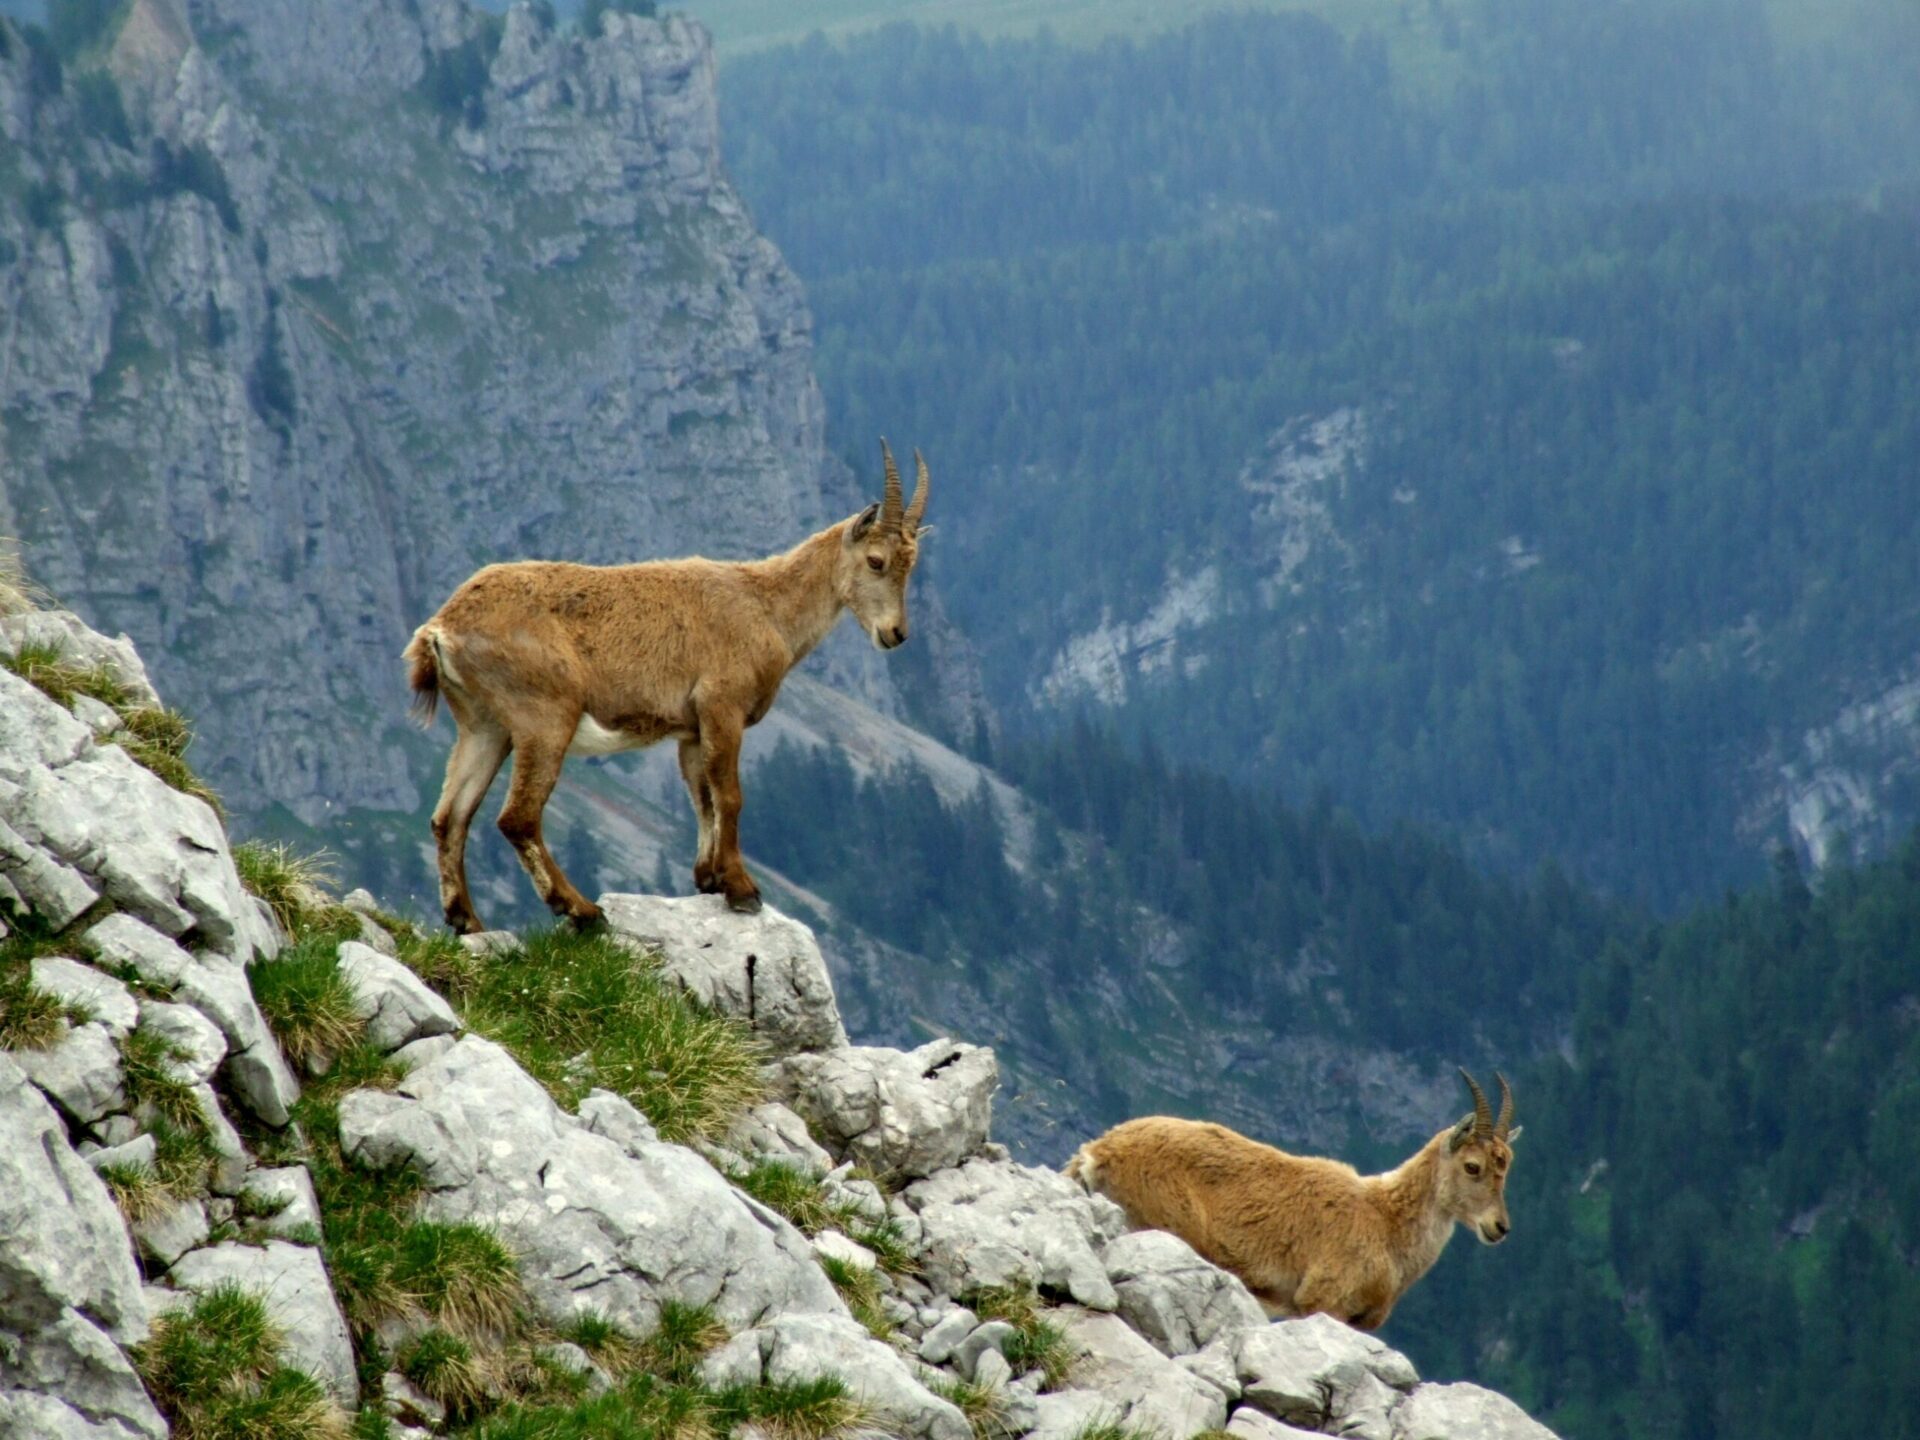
(198, 1040)
(396, 1004)
(1247, 1423)
(108, 1001)
(80, 1073)
(1146, 1390)
(135, 1154)
(66, 1380)
(1071, 1414)
(805, 1347)
(993, 1223)
(123, 940)
(1319, 1373)
(901, 1114)
(764, 969)
(290, 1188)
(773, 1132)
(943, 1337)
(255, 1068)
(173, 1232)
(600, 1214)
(1464, 1412)
(1173, 1297)
(292, 1283)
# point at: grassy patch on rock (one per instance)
(581, 1012)
(216, 1370)
(297, 888)
(307, 1001)
(1038, 1343)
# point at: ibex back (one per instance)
(548, 660)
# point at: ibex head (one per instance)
(1479, 1150)
(878, 554)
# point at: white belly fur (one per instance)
(590, 737)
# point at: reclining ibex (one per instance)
(1309, 1235)
(550, 660)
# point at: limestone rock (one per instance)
(1464, 1412)
(1315, 1370)
(109, 1002)
(1247, 1423)
(901, 1114)
(396, 1004)
(173, 1232)
(66, 1380)
(292, 1282)
(1146, 1389)
(195, 1037)
(765, 969)
(991, 1223)
(773, 1132)
(291, 1188)
(943, 1337)
(804, 1347)
(1173, 1297)
(80, 1073)
(616, 1224)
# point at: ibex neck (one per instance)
(1409, 1199)
(801, 590)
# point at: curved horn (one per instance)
(917, 506)
(890, 505)
(1501, 1126)
(1482, 1112)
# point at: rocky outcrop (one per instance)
(598, 1212)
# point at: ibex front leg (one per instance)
(536, 770)
(693, 770)
(720, 743)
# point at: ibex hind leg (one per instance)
(474, 761)
(536, 770)
(693, 770)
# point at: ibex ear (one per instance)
(864, 523)
(1514, 1133)
(1461, 1133)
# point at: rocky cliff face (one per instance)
(311, 310)
(128, 1017)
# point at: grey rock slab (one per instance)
(292, 1282)
(396, 1004)
(1147, 1389)
(80, 1073)
(1314, 1370)
(231, 1161)
(1068, 1414)
(944, 1336)
(201, 1045)
(56, 892)
(67, 1380)
(993, 1336)
(616, 1224)
(617, 1118)
(991, 1370)
(993, 1223)
(290, 1187)
(66, 632)
(62, 1242)
(173, 1232)
(122, 939)
(1173, 1297)
(1248, 1423)
(109, 1001)
(255, 1068)
(138, 1153)
(1464, 1412)
(773, 1132)
(491, 942)
(764, 969)
(1213, 1366)
(806, 1347)
(832, 1245)
(421, 1051)
(901, 1114)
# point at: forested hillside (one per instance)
(1716, 1205)
(1514, 433)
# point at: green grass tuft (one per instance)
(442, 961)
(307, 1001)
(681, 1339)
(861, 1290)
(462, 1275)
(182, 1157)
(146, 1061)
(30, 1019)
(793, 1193)
(1038, 1343)
(796, 1410)
(580, 1011)
(607, 1342)
(444, 1367)
(296, 887)
(158, 739)
(46, 668)
(215, 1370)
(984, 1406)
(138, 1191)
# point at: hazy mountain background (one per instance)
(1428, 499)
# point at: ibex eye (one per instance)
(874, 562)
(1472, 1169)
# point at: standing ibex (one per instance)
(550, 660)
(1309, 1235)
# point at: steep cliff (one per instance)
(310, 310)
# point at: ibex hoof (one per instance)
(587, 921)
(744, 904)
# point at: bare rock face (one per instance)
(764, 970)
(1173, 1297)
(901, 1114)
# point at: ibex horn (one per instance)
(917, 506)
(1482, 1112)
(890, 504)
(1505, 1121)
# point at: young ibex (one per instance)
(550, 660)
(1309, 1235)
